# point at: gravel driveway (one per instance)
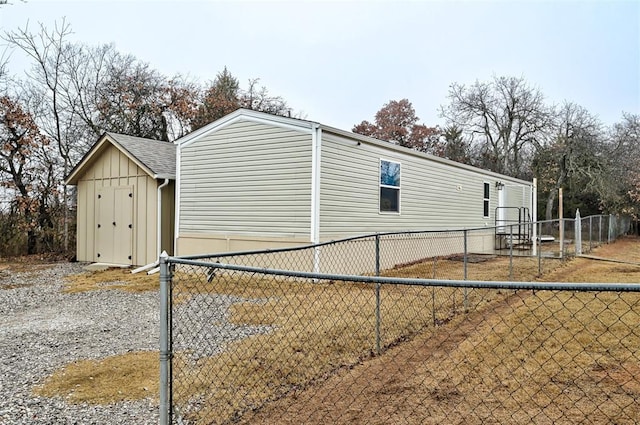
(42, 329)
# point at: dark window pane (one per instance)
(486, 191)
(486, 208)
(389, 173)
(389, 199)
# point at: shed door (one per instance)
(114, 233)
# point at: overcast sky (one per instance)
(338, 62)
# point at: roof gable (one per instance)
(250, 115)
(157, 159)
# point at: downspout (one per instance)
(316, 145)
(176, 201)
(166, 182)
(154, 266)
(316, 149)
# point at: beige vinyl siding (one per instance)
(433, 195)
(114, 168)
(246, 179)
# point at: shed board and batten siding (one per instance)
(114, 169)
(244, 186)
(434, 195)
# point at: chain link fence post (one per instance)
(577, 230)
(378, 295)
(561, 223)
(511, 252)
(433, 294)
(590, 233)
(610, 230)
(600, 231)
(465, 291)
(316, 259)
(165, 353)
(539, 242)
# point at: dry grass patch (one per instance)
(558, 354)
(561, 354)
(319, 328)
(625, 248)
(482, 267)
(113, 278)
(587, 270)
(130, 376)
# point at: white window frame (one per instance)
(486, 201)
(380, 186)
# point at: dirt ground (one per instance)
(460, 376)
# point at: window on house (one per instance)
(486, 200)
(389, 186)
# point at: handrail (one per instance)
(523, 224)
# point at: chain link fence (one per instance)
(410, 328)
(559, 239)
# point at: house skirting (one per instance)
(195, 244)
(350, 257)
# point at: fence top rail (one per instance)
(480, 284)
(556, 220)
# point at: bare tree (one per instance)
(257, 98)
(137, 100)
(109, 91)
(505, 118)
(52, 114)
(574, 158)
(4, 59)
(624, 142)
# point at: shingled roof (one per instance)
(157, 158)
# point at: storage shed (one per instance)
(251, 180)
(125, 210)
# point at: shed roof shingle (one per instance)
(159, 157)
